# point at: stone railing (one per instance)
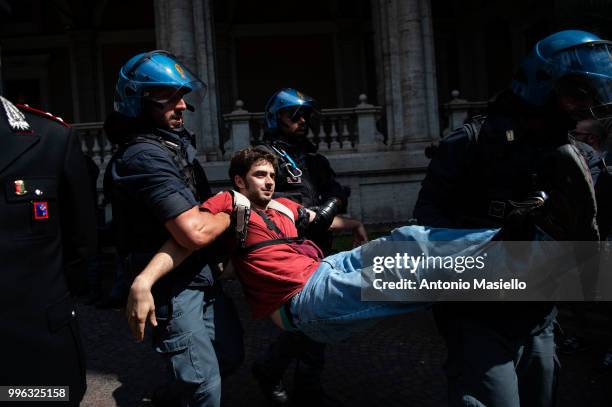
(94, 142)
(95, 145)
(339, 130)
(458, 111)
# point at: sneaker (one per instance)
(572, 345)
(274, 390)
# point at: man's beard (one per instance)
(263, 202)
(255, 197)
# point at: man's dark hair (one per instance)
(244, 159)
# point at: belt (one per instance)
(287, 317)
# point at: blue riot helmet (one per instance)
(299, 104)
(575, 65)
(157, 77)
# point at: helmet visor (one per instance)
(309, 113)
(594, 58)
(295, 113)
(165, 79)
(587, 77)
(163, 95)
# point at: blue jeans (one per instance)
(329, 307)
(199, 334)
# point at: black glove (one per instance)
(521, 220)
(325, 215)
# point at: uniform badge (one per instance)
(20, 187)
(179, 69)
(510, 135)
(41, 210)
(15, 118)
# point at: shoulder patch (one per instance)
(37, 112)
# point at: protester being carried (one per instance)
(283, 276)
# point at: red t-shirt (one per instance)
(270, 275)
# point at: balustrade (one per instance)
(339, 130)
(95, 145)
(458, 111)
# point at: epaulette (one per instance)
(48, 115)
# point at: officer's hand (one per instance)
(360, 236)
(140, 307)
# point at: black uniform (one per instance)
(47, 222)
(153, 177)
(316, 184)
(474, 174)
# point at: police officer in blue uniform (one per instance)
(504, 354)
(307, 178)
(48, 227)
(155, 184)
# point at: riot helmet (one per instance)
(293, 101)
(571, 67)
(156, 77)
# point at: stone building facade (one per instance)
(383, 71)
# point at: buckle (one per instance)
(497, 209)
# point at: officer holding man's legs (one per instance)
(504, 354)
(155, 184)
(307, 178)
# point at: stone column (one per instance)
(185, 28)
(406, 70)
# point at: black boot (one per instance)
(272, 387)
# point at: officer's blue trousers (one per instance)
(488, 369)
(485, 368)
(198, 332)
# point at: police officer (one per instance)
(307, 178)
(48, 226)
(504, 354)
(155, 183)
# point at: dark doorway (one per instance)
(265, 64)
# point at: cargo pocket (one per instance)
(178, 350)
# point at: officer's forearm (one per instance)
(342, 223)
(165, 260)
(195, 229)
